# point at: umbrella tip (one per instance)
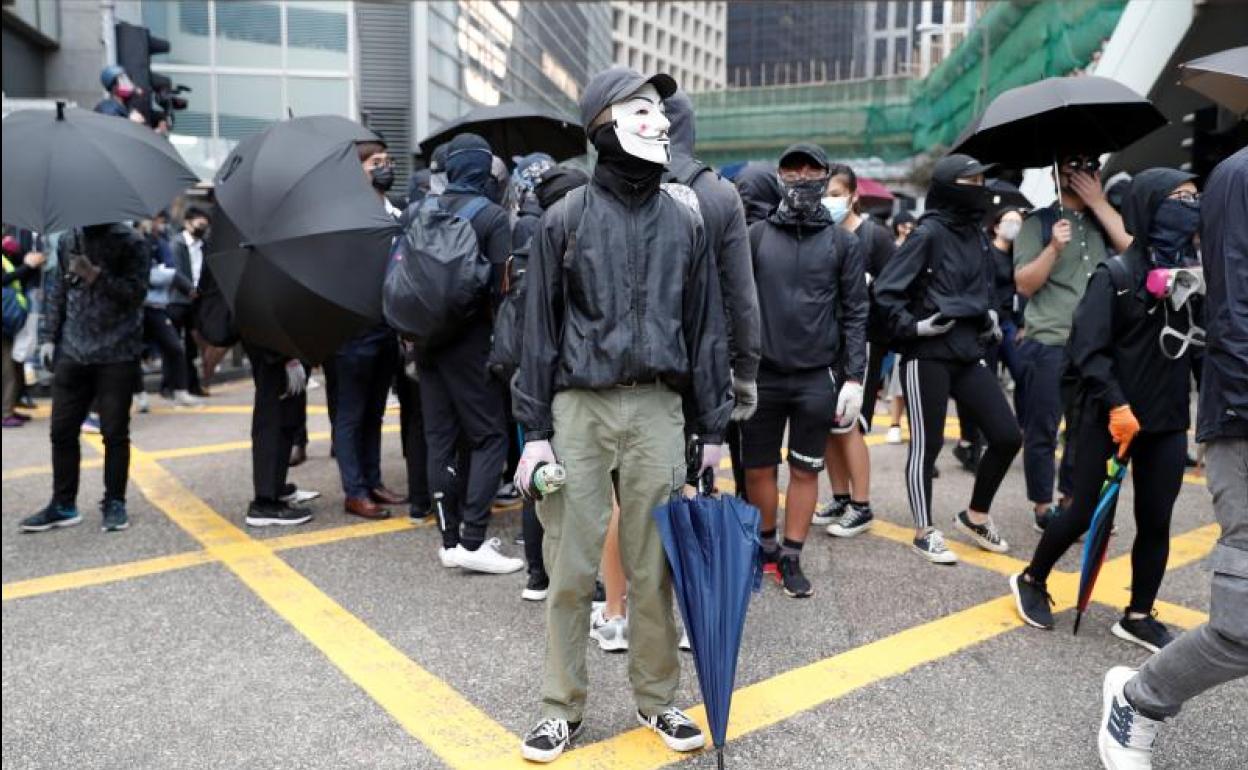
(60, 110)
(719, 757)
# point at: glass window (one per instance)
(444, 105)
(632, 26)
(881, 14)
(902, 14)
(249, 34)
(881, 56)
(247, 104)
(955, 40)
(184, 23)
(902, 53)
(938, 12)
(318, 96)
(196, 119)
(316, 35)
(959, 11)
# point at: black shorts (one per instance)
(805, 402)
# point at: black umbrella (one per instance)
(1223, 77)
(300, 239)
(1030, 126)
(67, 168)
(1006, 194)
(514, 128)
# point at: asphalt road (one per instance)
(189, 641)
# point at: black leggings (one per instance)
(927, 385)
(1157, 461)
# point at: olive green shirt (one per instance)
(1051, 310)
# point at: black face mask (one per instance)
(382, 178)
(806, 197)
(199, 232)
(967, 202)
(1170, 235)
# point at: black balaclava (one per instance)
(468, 163)
(804, 200)
(1173, 231)
(619, 171)
(1168, 225)
(961, 204)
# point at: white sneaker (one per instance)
(300, 496)
(447, 557)
(141, 403)
(487, 559)
(186, 400)
(1126, 736)
(894, 435)
(610, 633)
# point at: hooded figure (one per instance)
(759, 190)
(724, 221)
(1131, 395)
(937, 300)
(530, 171)
(622, 315)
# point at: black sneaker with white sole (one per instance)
(115, 517)
(546, 741)
(931, 546)
(276, 514)
(830, 513)
(794, 582)
(1033, 602)
(678, 731)
(1148, 632)
(52, 516)
(537, 587)
(985, 535)
(856, 520)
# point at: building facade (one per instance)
(787, 43)
(687, 40)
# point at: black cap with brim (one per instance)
(613, 84)
(812, 153)
(958, 166)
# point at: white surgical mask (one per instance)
(1009, 229)
(837, 206)
(641, 126)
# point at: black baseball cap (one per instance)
(958, 166)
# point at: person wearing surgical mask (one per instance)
(622, 313)
(120, 91)
(812, 301)
(1132, 398)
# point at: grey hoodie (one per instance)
(727, 238)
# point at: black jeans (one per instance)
(275, 422)
(1042, 411)
(182, 317)
(362, 383)
(75, 387)
(533, 537)
(412, 435)
(1157, 463)
(460, 399)
(158, 329)
(928, 384)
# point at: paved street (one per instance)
(190, 641)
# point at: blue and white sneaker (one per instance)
(115, 517)
(51, 517)
(1126, 737)
(931, 546)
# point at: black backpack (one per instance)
(685, 170)
(438, 274)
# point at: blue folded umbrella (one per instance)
(712, 545)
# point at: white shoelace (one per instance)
(676, 718)
(936, 542)
(554, 729)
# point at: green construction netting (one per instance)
(895, 117)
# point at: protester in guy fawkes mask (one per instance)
(1132, 347)
(939, 303)
(599, 390)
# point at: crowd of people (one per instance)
(651, 302)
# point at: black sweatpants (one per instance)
(275, 423)
(1156, 471)
(927, 385)
(75, 387)
(460, 399)
(534, 535)
(158, 330)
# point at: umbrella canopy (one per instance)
(1097, 541)
(514, 128)
(300, 239)
(1006, 194)
(69, 168)
(1223, 77)
(712, 546)
(1031, 125)
(872, 194)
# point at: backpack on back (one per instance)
(437, 275)
(16, 309)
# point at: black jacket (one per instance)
(812, 294)
(724, 221)
(1223, 409)
(527, 217)
(636, 300)
(183, 285)
(945, 266)
(101, 323)
(1113, 347)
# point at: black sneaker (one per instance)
(1032, 601)
(546, 741)
(678, 731)
(115, 518)
(968, 455)
(985, 535)
(417, 513)
(829, 513)
(931, 546)
(276, 514)
(535, 590)
(855, 521)
(1044, 518)
(1147, 632)
(795, 584)
(51, 517)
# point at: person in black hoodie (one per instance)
(759, 190)
(622, 314)
(812, 299)
(1133, 354)
(939, 303)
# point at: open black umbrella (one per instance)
(514, 128)
(300, 239)
(1030, 126)
(1006, 194)
(1223, 77)
(68, 168)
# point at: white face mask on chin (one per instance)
(641, 126)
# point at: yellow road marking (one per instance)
(64, 581)
(428, 708)
(91, 463)
(349, 532)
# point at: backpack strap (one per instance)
(473, 207)
(685, 171)
(1048, 217)
(573, 210)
